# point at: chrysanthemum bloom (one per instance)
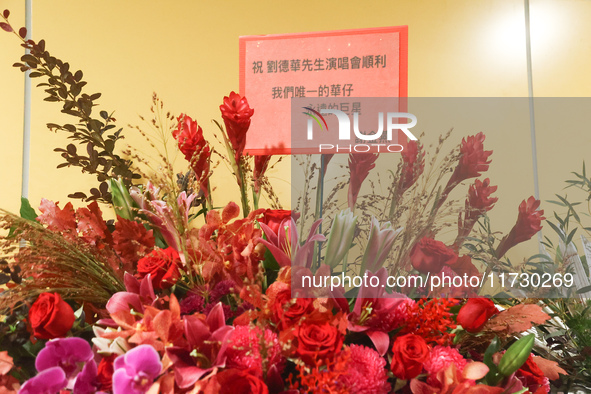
(236, 114)
(246, 346)
(136, 370)
(440, 358)
(360, 164)
(366, 372)
(529, 222)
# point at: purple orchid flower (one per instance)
(136, 370)
(285, 246)
(50, 381)
(86, 381)
(205, 350)
(70, 354)
(64, 362)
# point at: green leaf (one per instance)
(492, 377)
(27, 212)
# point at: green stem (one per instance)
(242, 184)
(318, 211)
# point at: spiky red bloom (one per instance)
(529, 222)
(473, 160)
(193, 145)
(413, 164)
(260, 167)
(236, 114)
(360, 164)
(366, 372)
(478, 203)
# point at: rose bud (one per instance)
(475, 313)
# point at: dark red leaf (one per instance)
(6, 27)
(6, 14)
(22, 32)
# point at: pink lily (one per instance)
(376, 312)
(285, 247)
(381, 240)
(137, 295)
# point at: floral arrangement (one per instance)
(177, 295)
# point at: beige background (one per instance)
(187, 52)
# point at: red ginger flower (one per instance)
(236, 114)
(529, 222)
(260, 167)
(195, 148)
(472, 162)
(360, 164)
(413, 164)
(366, 372)
(478, 203)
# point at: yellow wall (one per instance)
(187, 52)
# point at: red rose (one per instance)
(105, 372)
(274, 217)
(429, 255)
(234, 381)
(163, 264)
(236, 114)
(288, 311)
(409, 352)
(50, 316)
(475, 313)
(317, 341)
